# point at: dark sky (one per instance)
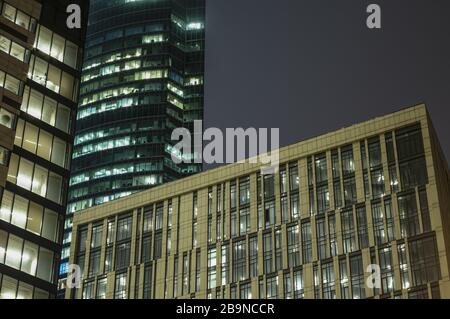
(312, 66)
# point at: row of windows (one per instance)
(13, 289)
(26, 256)
(46, 109)
(11, 83)
(28, 215)
(53, 78)
(43, 144)
(35, 178)
(14, 49)
(56, 46)
(18, 17)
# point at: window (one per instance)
(278, 253)
(298, 284)
(42, 182)
(268, 253)
(295, 210)
(225, 264)
(244, 221)
(345, 291)
(424, 261)
(123, 252)
(283, 181)
(426, 222)
(212, 262)
(409, 216)
(101, 288)
(7, 118)
(348, 164)
(232, 195)
(269, 213)
(378, 223)
(362, 227)
(253, 256)
(293, 177)
(245, 291)
(306, 242)
(323, 199)
(350, 191)
(377, 183)
(333, 235)
(239, 261)
(293, 246)
(94, 263)
(387, 276)
(321, 238)
(328, 289)
(287, 286)
(157, 245)
(159, 217)
(321, 168)
(389, 219)
(284, 209)
(375, 153)
(269, 186)
(337, 194)
(357, 277)
(14, 49)
(4, 156)
(272, 288)
(88, 290)
(335, 164)
(120, 291)
(11, 83)
(348, 231)
(18, 17)
(403, 264)
(244, 191)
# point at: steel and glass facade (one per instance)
(40, 64)
(142, 77)
(376, 193)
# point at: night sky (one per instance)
(312, 66)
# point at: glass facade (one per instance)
(39, 85)
(140, 80)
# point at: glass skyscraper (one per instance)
(142, 77)
(40, 64)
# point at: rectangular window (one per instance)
(387, 276)
(293, 246)
(287, 286)
(378, 223)
(245, 291)
(283, 181)
(424, 260)
(321, 168)
(348, 231)
(333, 235)
(272, 287)
(426, 221)
(403, 263)
(212, 262)
(269, 186)
(321, 234)
(244, 191)
(298, 284)
(350, 191)
(323, 199)
(278, 252)
(244, 221)
(239, 261)
(269, 213)
(253, 256)
(363, 234)
(328, 288)
(293, 177)
(295, 206)
(225, 264)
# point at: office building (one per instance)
(142, 77)
(40, 64)
(375, 193)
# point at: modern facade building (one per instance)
(376, 193)
(40, 64)
(142, 77)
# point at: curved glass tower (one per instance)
(142, 77)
